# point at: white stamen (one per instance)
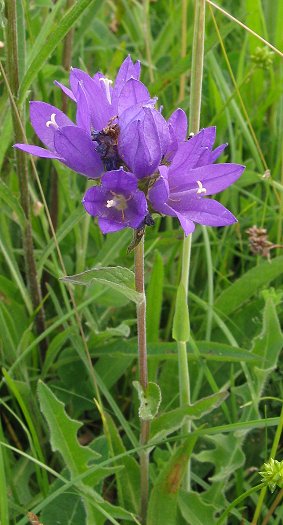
(52, 121)
(107, 82)
(111, 203)
(201, 189)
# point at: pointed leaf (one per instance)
(63, 432)
(173, 420)
(117, 278)
(164, 495)
(248, 284)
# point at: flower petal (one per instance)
(65, 90)
(188, 155)
(205, 211)
(83, 117)
(132, 93)
(127, 70)
(94, 201)
(37, 151)
(179, 124)
(217, 152)
(78, 151)
(109, 226)
(40, 116)
(99, 107)
(120, 181)
(214, 178)
(118, 201)
(187, 225)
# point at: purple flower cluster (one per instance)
(143, 163)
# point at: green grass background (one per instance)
(235, 297)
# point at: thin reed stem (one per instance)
(195, 105)
(237, 501)
(143, 373)
(273, 507)
(22, 170)
(272, 455)
(184, 18)
(147, 38)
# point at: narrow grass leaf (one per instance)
(128, 479)
(49, 45)
(248, 284)
(154, 298)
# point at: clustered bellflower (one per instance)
(142, 163)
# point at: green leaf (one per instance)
(194, 509)
(268, 344)
(154, 299)
(7, 196)
(150, 400)
(63, 432)
(209, 351)
(163, 500)
(128, 478)
(117, 278)
(66, 508)
(181, 321)
(248, 285)
(171, 421)
(227, 457)
(55, 36)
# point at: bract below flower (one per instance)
(118, 203)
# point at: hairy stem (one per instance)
(143, 373)
(21, 167)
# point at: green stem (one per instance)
(147, 38)
(197, 65)
(183, 77)
(143, 373)
(237, 501)
(21, 164)
(209, 282)
(272, 455)
(195, 105)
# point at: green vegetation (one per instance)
(69, 432)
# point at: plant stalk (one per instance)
(143, 374)
(236, 502)
(195, 105)
(22, 170)
(272, 455)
